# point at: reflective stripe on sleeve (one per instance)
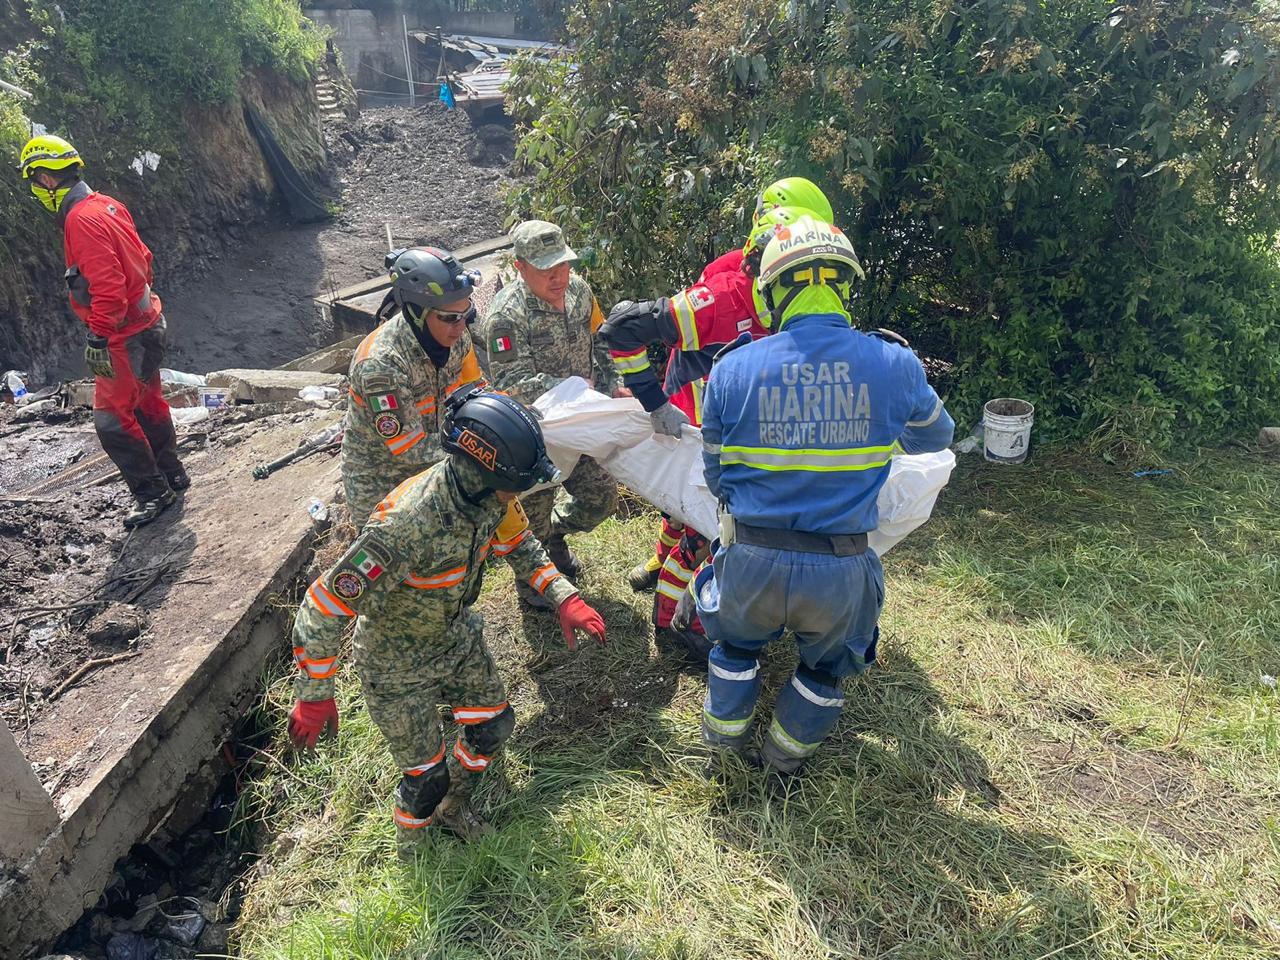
(326, 602)
(404, 443)
(810, 459)
(711, 448)
(450, 578)
(626, 363)
(503, 547)
(929, 420)
(321, 668)
(543, 577)
(686, 321)
(426, 405)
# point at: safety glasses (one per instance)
(466, 316)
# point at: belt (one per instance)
(837, 545)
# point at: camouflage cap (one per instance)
(541, 244)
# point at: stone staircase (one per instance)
(334, 93)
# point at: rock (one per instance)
(1269, 438)
(268, 386)
(214, 939)
(116, 625)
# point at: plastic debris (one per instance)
(315, 392)
(972, 443)
(132, 946)
(1151, 473)
(318, 510)
(186, 416)
(1268, 681)
(177, 376)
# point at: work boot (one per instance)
(178, 480)
(459, 817)
(566, 560)
(693, 648)
(644, 576)
(531, 597)
(148, 508)
(724, 760)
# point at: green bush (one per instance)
(1075, 202)
(124, 69)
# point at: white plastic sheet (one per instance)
(577, 421)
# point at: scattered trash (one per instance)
(13, 380)
(146, 160)
(1006, 424)
(1268, 681)
(1151, 473)
(186, 416)
(132, 946)
(177, 376)
(215, 398)
(318, 510)
(972, 442)
(314, 393)
(34, 411)
(328, 439)
(184, 928)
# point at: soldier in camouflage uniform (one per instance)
(402, 372)
(410, 579)
(539, 331)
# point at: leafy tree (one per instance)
(1075, 201)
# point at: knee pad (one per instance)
(823, 677)
(487, 737)
(419, 795)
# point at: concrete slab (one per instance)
(131, 735)
(331, 359)
(270, 386)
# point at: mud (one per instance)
(410, 168)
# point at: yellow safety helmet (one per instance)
(807, 253)
(794, 192)
(763, 229)
(48, 152)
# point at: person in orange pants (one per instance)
(109, 283)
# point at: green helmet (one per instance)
(763, 229)
(807, 253)
(794, 192)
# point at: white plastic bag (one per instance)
(578, 421)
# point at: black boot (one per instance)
(644, 576)
(149, 507)
(178, 479)
(566, 560)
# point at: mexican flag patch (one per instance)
(384, 401)
(500, 345)
(365, 563)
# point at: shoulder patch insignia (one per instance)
(699, 297)
(383, 401)
(499, 344)
(387, 425)
(348, 585)
(377, 383)
(359, 569)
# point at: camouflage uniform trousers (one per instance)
(588, 497)
(406, 671)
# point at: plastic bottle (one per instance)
(319, 512)
(16, 386)
(177, 376)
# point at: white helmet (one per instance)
(808, 252)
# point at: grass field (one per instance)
(1069, 749)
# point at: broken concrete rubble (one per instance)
(268, 386)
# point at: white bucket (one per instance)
(1006, 429)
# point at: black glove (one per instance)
(98, 358)
(686, 610)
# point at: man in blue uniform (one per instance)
(798, 431)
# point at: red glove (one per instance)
(576, 615)
(311, 718)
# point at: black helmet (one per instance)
(424, 278)
(499, 436)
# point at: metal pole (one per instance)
(408, 63)
(18, 90)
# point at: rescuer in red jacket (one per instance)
(109, 284)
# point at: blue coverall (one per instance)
(798, 431)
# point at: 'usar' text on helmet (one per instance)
(497, 436)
